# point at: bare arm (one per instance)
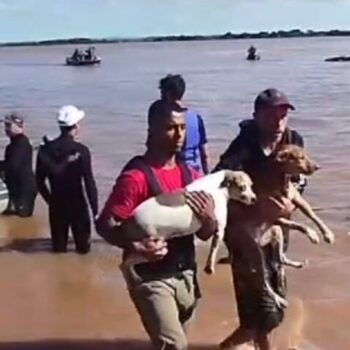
(204, 154)
(203, 149)
(114, 232)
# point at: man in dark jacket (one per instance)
(250, 151)
(18, 168)
(66, 163)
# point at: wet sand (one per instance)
(80, 302)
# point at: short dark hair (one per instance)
(173, 84)
(161, 109)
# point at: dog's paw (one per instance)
(300, 264)
(329, 237)
(281, 303)
(305, 263)
(225, 260)
(209, 270)
(312, 235)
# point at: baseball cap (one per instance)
(69, 115)
(14, 118)
(271, 98)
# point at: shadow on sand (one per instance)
(36, 245)
(123, 344)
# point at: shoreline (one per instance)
(279, 34)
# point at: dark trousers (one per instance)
(64, 217)
(22, 205)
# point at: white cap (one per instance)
(69, 115)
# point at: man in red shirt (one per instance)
(165, 292)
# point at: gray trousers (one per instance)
(166, 306)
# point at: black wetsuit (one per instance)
(66, 198)
(19, 176)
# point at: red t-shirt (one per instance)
(131, 189)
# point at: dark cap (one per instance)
(14, 118)
(272, 98)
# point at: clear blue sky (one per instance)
(50, 19)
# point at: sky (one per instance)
(23, 20)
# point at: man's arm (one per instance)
(117, 213)
(41, 176)
(114, 221)
(233, 157)
(89, 181)
(203, 149)
(21, 152)
(114, 232)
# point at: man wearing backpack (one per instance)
(166, 291)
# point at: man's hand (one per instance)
(203, 207)
(151, 248)
(283, 206)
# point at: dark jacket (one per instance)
(66, 177)
(18, 167)
(244, 152)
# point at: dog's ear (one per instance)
(226, 182)
(281, 156)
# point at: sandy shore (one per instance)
(80, 302)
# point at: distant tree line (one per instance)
(294, 33)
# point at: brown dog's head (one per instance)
(293, 160)
(239, 186)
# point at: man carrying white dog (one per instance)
(165, 292)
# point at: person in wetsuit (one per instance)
(17, 168)
(66, 163)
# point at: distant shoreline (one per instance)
(295, 33)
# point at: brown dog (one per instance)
(289, 161)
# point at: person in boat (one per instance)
(75, 54)
(252, 55)
(90, 53)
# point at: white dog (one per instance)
(168, 215)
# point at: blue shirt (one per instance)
(195, 139)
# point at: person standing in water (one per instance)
(18, 169)
(66, 163)
(194, 151)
